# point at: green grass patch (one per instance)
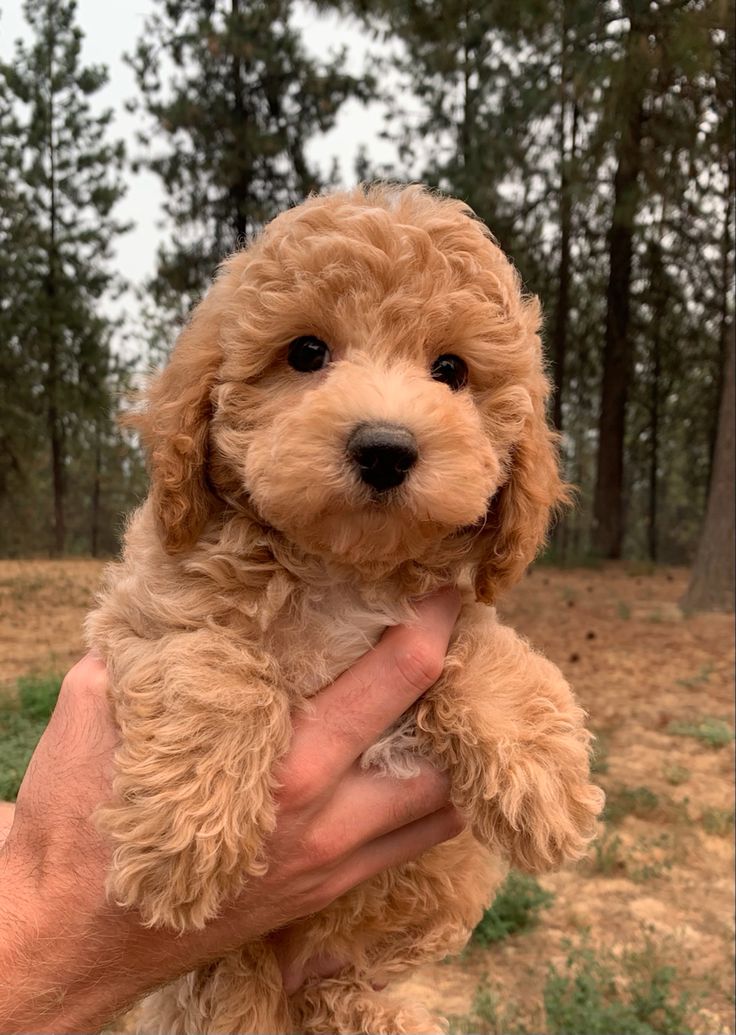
(516, 907)
(489, 1017)
(718, 822)
(715, 733)
(701, 676)
(630, 801)
(648, 858)
(644, 803)
(600, 994)
(592, 993)
(623, 610)
(676, 774)
(23, 719)
(608, 858)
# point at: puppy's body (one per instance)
(264, 564)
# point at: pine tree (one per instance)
(712, 582)
(233, 99)
(66, 187)
(661, 71)
(18, 433)
(594, 138)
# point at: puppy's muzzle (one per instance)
(383, 454)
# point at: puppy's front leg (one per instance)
(202, 723)
(505, 724)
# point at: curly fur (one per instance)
(260, 567)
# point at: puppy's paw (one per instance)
(538, 814)
(176, 873)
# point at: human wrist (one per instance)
(60, 954)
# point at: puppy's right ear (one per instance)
(174, 427)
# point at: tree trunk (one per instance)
(727, 288)
(608, 503)
(559, 333)
(658, 291)
(654, 442)
(240, 190)
(54, 418)
(94, 537)
(712, 581)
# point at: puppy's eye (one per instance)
(451, 370)
(308, 354)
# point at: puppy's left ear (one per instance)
(519, 513)
(174, 426)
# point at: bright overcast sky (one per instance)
(111, 28)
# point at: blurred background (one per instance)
(142, 141)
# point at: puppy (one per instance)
(354, 416)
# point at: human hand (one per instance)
(337, 826)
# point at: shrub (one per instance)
(634, 801)
(515, 908)
(714, 732)
(607, 855)
(600, 995)
(676, 774)
(592, 994)
(718, 821)
(488, 1017)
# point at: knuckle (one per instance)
(317, 849)
(325, 893)
(299, 787)
(292, 797)
(420, 661)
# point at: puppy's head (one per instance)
(369, 378)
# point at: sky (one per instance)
(111, 28)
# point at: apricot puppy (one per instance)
(354, 416)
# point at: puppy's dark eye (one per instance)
(308, 354)
(451, 370)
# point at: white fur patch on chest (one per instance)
(321, 636)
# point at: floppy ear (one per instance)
(519, 513)
(174, 426)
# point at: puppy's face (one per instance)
(373, 375)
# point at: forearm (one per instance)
(66, 963)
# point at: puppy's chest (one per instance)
(323, 633)
(321, 638)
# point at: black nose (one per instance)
(383, 453)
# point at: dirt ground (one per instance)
(665, 864)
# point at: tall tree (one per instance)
(67, 184)
(18, 433)
(711, 585)
(233, 99)
(661, 73)
(629, 89)
(592, 137)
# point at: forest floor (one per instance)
(656, 893)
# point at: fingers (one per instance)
(363, 702)
(400, 846)
(368, 805)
